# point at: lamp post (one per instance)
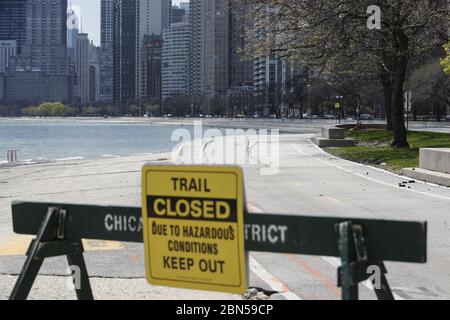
(309, 98)
(338, 106)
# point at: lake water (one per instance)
(41, 140)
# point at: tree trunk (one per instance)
(387, 90)
(397, 112)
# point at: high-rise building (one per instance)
(2, 87)
(41, 71)
(106, 54)
(185, 6)
(152, 17)
(240, 67)
(73, 28)
(94, 73)
(46, 44)
(82, 69)
(124, 53)
(178, 14)
(151, 67)
(216, 32)
(175, 60)
(217, 37)
(13, 17)
(268, 80)
(8, 50)
(196, 50)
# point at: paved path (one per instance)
(309, 182)
(116, 269)
(312, 182)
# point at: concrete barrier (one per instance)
(435, 160)
(333, 133)
(434, 167)
(333, 137)
(439, 178)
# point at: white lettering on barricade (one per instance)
(263, 234)
(122, 223)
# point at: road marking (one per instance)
(303, 264)
(272, 281)
(334, 200)
(335, 262)
(264, 275)
(18, 245)
(255, 267)
(331, 286)
(365, 176)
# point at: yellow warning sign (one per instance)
(194, 227)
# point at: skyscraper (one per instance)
(240, 67)
(178, 14)
(175, 60)
(217, 36)
(82, 69)
(13, 17)
(152, 17)
(94, 73)
(196, 52)
(124, 53)
(46, 44)
(151, 67)
(8, 50)
(73, 28)
(216, 47)
(106, 51)
(41, 69)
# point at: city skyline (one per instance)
(90, 15)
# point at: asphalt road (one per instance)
(309, 182)
(312, 182)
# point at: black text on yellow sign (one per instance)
(194, 227)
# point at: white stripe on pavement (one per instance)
(273, 282)
(264, 275)
(335, 262)
(365, 176)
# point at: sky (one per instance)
(90, 15)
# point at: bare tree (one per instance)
(373, 38)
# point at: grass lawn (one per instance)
(374, 148)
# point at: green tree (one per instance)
(134, 110)
(54, 109)
(45, 109)
(60, 110)
(111, 111)
(91, 111)
(30, 111)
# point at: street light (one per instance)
(338, 105)
(309, 98)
